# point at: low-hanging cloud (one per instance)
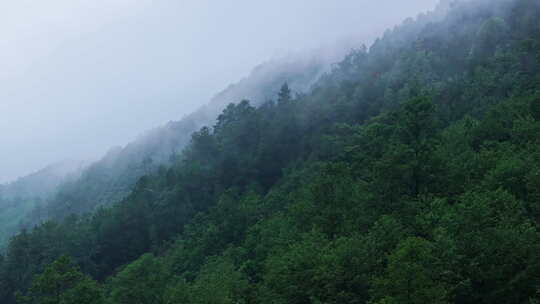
(78, 77)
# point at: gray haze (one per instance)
(78, 77)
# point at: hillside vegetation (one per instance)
(27, 194)
(410, 173)
(112, 178)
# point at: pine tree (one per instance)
(284, 95)
(62, 282)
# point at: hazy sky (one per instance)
(78, 77)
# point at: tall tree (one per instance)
(62, 283)
(284, 95)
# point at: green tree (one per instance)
(412, 276)
(488, 37)
(143, 281)
(535, 109)
(404, 164)
(219, 283)
(63, 283)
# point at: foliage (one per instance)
(409, 174)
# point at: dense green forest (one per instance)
(410, 173)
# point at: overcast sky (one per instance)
(78, 77)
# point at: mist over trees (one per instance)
(407, 173)
(48, 195)
(20, 198)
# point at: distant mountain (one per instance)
(20, 197)
(42, 183)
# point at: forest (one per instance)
(409, 173)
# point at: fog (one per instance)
(78, 77)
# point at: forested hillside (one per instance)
(410, 173)
(110, 179)
(19, 198)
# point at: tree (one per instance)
(411, 276)
(143, 281)
(405, 163)
(219, 282)
(488, 37)
(284, 95)
(535, 109)
(63, 283)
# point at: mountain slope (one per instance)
(112, 178)
(409, 174)
(20, 197)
